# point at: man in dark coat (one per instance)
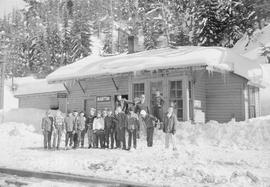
(69, 128)
(121, 125)
(120, 102)
(150, 124)
(109, 129)
(158, 106)
(169, 128)
(132, 128)
(46, 127)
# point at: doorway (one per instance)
(154, 87)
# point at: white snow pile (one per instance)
(17, 130)
(29, 116)
(253, 134)
(209, 154)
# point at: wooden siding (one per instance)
(78, 100)
(40, 101)
(199, 81)
(225, 97)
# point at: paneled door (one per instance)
(155, 86)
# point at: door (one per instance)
(154, 87)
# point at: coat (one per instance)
(109, 123)
(59, 122)
(121, 121)
(46, 124)
(69, 123)
(170, 124)
(123, 104)
(80, 123)
(98, 124)
(150, 121)
(141, 106)
(133, 122)
(89, 122)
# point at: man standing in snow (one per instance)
(58, 129)
(80, 125)
(109, 129)
(69, 128)
(121, 124)
(89, 125)
(149, 121)
(98, 129)
(170, 122)
(141, 105)
(158, 106)
(132, 128)
(46, 127)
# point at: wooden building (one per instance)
(41, 95)
(204, 83)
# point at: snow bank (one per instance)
(253, 134)
(9, 100)
(209, 154)
(27, 116)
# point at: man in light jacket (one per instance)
(98, 128)
(169, 128)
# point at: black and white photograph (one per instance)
(135, 93)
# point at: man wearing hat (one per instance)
(89, 125)
(46, 127)
(150, 122)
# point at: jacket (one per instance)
(59, 122)
(141, 106)
(133, 122)
(170, 123)
(89, 122)
(98, 124)
(46, 124)
(109, 123)
(80, 123)
(121, 120)
(69, 123)
(123, 104)
(149, 121)
(158, 101)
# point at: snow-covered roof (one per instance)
(37, 86)
(211, 57)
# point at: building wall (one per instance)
(78, 100)
(42, 101)
(199, 96)
(225, 97)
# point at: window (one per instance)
(138, 89)
(190, 85)
(252, 102)
(176, 97)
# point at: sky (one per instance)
(6, 6)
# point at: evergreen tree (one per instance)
(208, 24)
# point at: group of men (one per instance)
(107, 128)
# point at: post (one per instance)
(186, 99)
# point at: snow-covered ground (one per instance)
(232, 154)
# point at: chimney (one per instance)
(131, 44)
